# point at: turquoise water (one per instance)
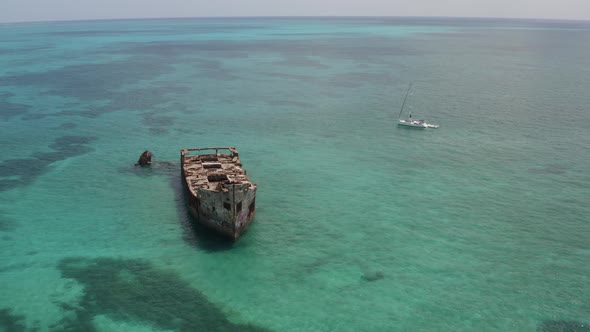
(361, 225)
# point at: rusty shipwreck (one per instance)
(219, 194)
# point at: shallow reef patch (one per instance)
(9, 109)
(66, 126)
(6, 224)
(563, 326)
(157, 124)
(373, 276)
(548, 170)
(73, 81)
(20, 172)
(133, 290)
(11, 322)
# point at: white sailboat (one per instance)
(409, 122)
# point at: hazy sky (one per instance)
(51, 10)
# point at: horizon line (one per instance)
(300, 16)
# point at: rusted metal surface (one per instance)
(219, 193)
(145, 159)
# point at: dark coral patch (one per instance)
(8, 109)
(300, 61)
(294, 52)
(373, 276)
(135, 99)
(359, 79)
(290, 103)
(158, 124)
(66, 126)
(548, 170)
(6, 225)
(72, 144)
(92, 81)
(20, 172)
(22, 50)
(133, 290)
(563, 326)
(193, 27)
(10, 322)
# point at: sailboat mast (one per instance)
(404, 103)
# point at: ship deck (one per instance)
(207, 168)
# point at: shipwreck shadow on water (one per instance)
(136, 292)
(194, 233)
(158, 168)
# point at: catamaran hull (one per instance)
(409, 122)
(422, 125)
(412, 125)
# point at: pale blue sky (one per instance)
(52, 10)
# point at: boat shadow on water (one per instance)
(195, 234)
(157, 168)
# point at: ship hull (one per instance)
(218, 193)
(223, 212)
